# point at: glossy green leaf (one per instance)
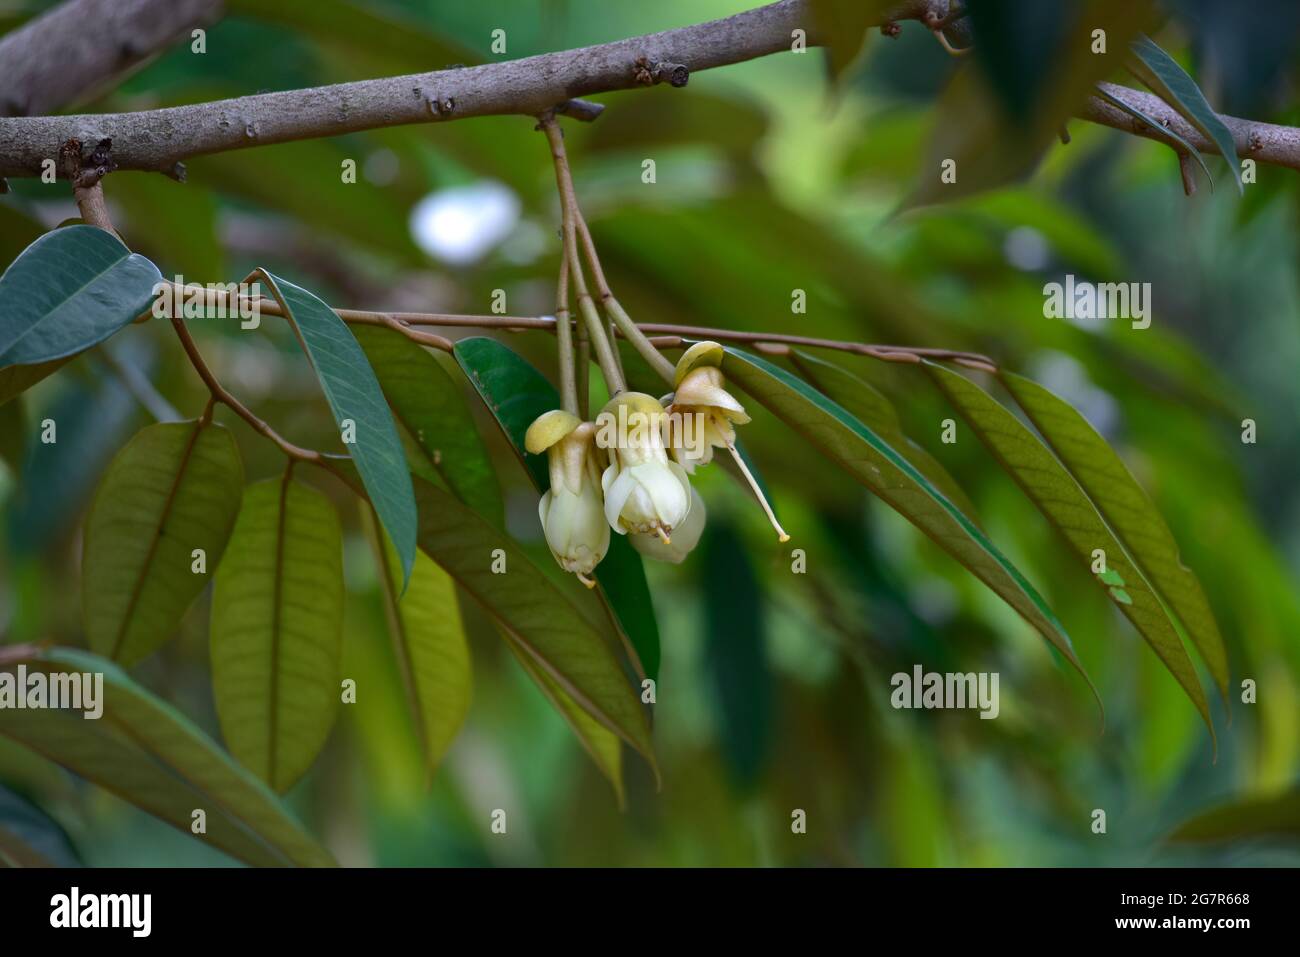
(355, 397)
(516, 394)
(550, 629)
(870, 407)
(277, 625)
(1158, 70)
(1129, 512)
(150, 755)
(429, 404)
(604, 747)
(175, 487)
(887, 473)
(1152, 124)
(1058, 496)
(429, 642)
(1275, 816)
(68, 291)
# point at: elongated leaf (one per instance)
(1058, 496)
(173, 489)
(354, 397)
(429, 405)
(1158, 70)
(429, 642)
(516, 394)
(1174, 135)
(277, 621)
(523, 601)
(152, 756)
(1129, 512)
(15, 380)
(604, 747)
(883, 470)
(1276, 816)
(865, 403)
(68, 291)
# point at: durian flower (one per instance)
(703, 416)
(572, 512)
(685, 536)
(644, 491)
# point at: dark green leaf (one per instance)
(1276, 816)
(354, 395)
(1152, 124)
(883, 470)
(31, 838)
(430, 406)
(174, 488)
(68, 291)
(277, 627)
(1129, 512)
(15, 380)
(152, 756)
(516, 394)
(1058, 496)
(1157, 69)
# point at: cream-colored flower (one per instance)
(572, 510)
(703, 416)
(685, 536)
(644, 491)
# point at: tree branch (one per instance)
(80, 46)
(158, 140)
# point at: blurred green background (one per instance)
(773, 693)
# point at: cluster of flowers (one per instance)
(630, 469)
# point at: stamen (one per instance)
(663, 534)
(762, 500)
(589, 582)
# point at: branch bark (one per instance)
(160, 140)
(81, 46)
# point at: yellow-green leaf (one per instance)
(277, 620)
(173, 491)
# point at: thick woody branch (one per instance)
(82, 46)
(159, 140)
(1262, 142)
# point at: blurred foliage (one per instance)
(773, 689)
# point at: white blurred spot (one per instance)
(461, 223)
(1026, 249)
(1059, 373)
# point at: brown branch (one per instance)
(79, 47)
(159, 140)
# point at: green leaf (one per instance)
(1276, 816)
(516, 394)
(428, 403)
(1129, 512)
(870, 407)
(1152, 124)
(354, 395)
(152, 756)
(735, 654)
(68, 291)
(887, 473)
(604, 747)
(429, 642)
(1056, 494)
(842, 25)
(1158, 70)
(550, 629)
(277, 625)
(175, 487)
